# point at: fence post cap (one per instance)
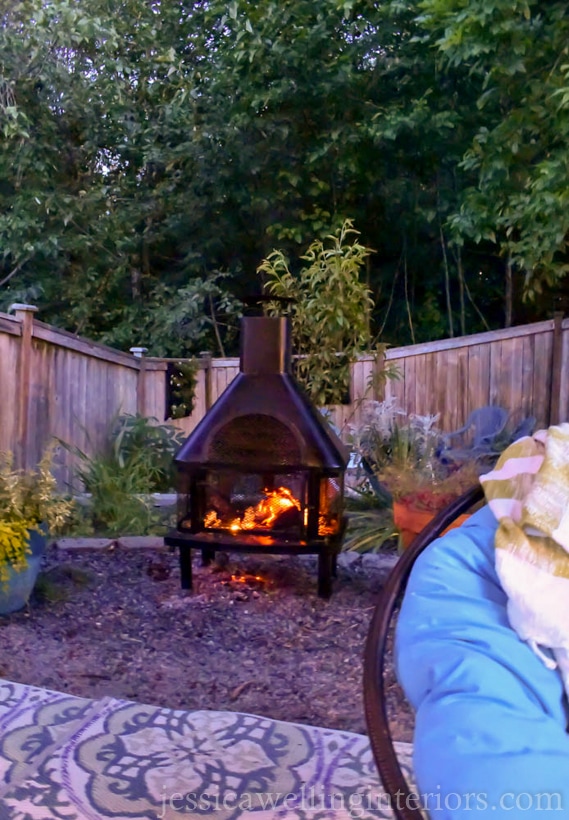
(138, 351)
(205, 354)
(19, 306)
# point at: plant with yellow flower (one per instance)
(29, 501)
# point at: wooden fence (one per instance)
(53, 383)
(524, 369)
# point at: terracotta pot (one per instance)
(410, 522)
(15, 593)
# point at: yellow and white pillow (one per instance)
(528, 492)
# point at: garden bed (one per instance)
(252, 636)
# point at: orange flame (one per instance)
(275, 503)
(263, 515)
(266, 512)
(211, 520)
(326, 526)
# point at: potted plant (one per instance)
(413, 509)
(30, 507)
(399, 457)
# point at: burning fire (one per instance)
(326, 526)
(274, 503)
(266, 514)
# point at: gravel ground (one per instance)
(252, 636)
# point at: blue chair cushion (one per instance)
(491, 718)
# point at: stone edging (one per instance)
(151, 542)
(154, 542)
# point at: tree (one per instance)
(97, 113)
(153, 153)
(339, 110)
(520, 153)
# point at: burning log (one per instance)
(278, 509)
(288, 518)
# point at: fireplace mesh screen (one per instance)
(254, 440)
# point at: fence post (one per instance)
(556, 365)
(378, 377)
(25, 315)
(138, 353)
(205, 364)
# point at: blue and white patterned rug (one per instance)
(77, 759)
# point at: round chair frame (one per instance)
(380, 737)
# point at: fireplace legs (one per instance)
(208, 555)
(326, 569)
(327, 560)
(186, 567)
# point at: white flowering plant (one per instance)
(400, 457)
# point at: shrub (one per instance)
(137, 460)
(28, 501)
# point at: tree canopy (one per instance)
(152, 154)
(520, 150)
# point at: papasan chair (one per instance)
(490, 735)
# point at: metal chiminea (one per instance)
(262, 472)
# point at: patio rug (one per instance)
(80, 759)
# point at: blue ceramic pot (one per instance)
(15, 593)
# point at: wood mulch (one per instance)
(252, 636)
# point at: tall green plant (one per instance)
(330, 310)
(138, 440)
(137, 459)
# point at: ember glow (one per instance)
(247, 579)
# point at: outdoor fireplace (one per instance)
(262, 472)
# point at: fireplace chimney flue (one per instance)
(265, 345)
